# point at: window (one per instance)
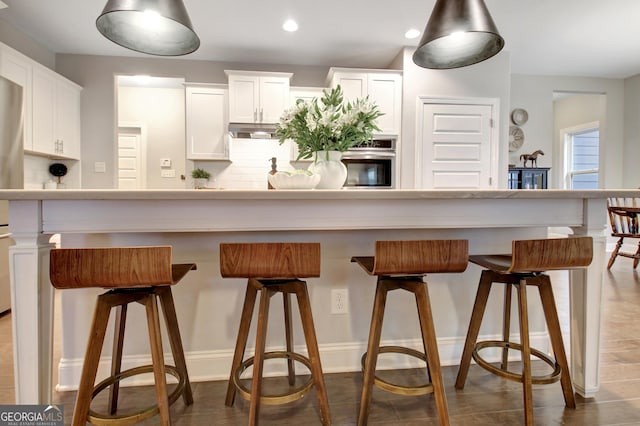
(582, 159)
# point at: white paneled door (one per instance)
(457, 144)
(130, 169)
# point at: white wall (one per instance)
(631, 178)
(489, 79)
(535, 94)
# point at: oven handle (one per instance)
(367, 155)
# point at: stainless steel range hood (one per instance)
(253, 130)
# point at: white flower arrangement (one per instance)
(328, 123)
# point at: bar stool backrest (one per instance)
(270, 260)
(551, 253)
(110, 267)
(420, 257)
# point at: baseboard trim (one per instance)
(336, 358)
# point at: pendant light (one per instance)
(459, 33)
(156, 27)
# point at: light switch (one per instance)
(99, 167)
(168, 173)
(165, 162)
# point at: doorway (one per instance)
(149, 136)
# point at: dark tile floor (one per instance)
(486, 399)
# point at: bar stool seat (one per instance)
(131, 274)
(525, 266)
(403, 265)
(274, 268)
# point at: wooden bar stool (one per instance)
(402, 265)
(274, 268)
(132, 274)
(525, 266)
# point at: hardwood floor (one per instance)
(486, 399)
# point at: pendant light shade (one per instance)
(459, 33)
(156, 27)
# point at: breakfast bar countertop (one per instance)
(341, 219)
(238, 194)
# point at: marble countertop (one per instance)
(345, 194)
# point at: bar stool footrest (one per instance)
(106, 419)
(536, 380)
(394, 388)
(277, 399)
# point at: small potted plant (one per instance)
(200, 178)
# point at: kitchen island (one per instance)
(346, 222)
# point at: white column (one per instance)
(32, 303)
(586, 303)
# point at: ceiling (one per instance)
(551, 37)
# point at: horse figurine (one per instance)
(533, 157)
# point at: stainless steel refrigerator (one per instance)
(11, 171)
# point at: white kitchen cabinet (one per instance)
(56, 115)
(384, 87)
(207, 122)
(257, 97)
(51, 106)
(19, 69)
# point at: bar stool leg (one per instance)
(243, 335)
(526, 353)
(286, 300)
(477, 313)
(372, 351)
(175, 340)
(506, 324)
(92, 359)
(553, 324)
(258, 360)
(116, 356)
(157, 357)
(304, 306)
(431, 350)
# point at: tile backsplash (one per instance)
(250, 163)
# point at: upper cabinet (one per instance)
(384, 87)
(56, 115)
(206, 122)
(257, 97)
(51, 106)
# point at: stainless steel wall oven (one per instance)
(371, 165)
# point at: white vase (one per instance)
(333, 173)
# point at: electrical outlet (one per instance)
(340, 301)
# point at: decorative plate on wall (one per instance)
(519, 116)
(516, 138)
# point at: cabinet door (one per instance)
(244, 96)
(386, 91)
(18, 69)
(206, 123)
(354, 85)
(274, 98)
(44, 100)
(67, 125)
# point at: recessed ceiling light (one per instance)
(412, 33)
(290, 25)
